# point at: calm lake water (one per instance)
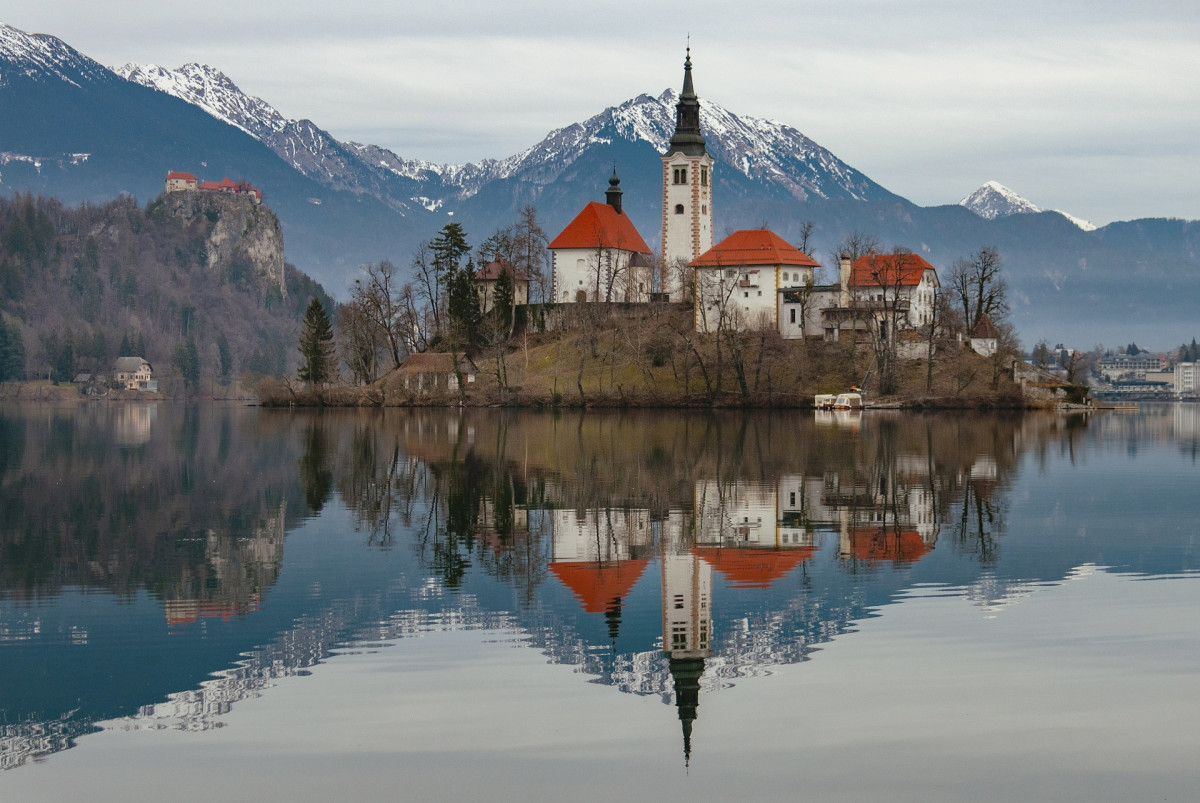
(207, 603)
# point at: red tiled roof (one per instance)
(754, 247)
(597, 583)
(491, 271)
(875, 270)
(753, 567)
(175, 174)
(209, 185)
(601, 226)
(984, 328)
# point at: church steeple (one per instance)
(612, 195)
(686, 673)
(687, 221)
(687, 138)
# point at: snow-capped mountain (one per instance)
(39, 56)
(301, 143)
(994, 200)
(759, 150)
(73, 129)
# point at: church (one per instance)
(752, 279)
(600, 256)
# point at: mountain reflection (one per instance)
(143, 580)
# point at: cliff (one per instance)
(244, 240)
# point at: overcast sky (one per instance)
(1089, 107)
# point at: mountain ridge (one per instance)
(88, 135)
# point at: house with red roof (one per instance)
(485, 283)
(600, 256)
(738, 281)
(878, 286)
(177, 181)
(985, 337)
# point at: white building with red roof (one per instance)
(177, 181)
(878, 286)
(600, 256)
(738, 280)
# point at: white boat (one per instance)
(848, 401)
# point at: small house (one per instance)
(436, 372)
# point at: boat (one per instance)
(824, 401)
(848, 401)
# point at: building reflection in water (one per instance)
(737, 511)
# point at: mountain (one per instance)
(74, 129)
(758, 152)
(994, 200)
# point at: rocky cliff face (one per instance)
(244, 241)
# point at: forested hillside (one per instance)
(195, 282)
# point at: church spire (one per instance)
(612, 195)
(687, 138)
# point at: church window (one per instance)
(680, 175)
(703, 176)
(679, 209)
(793, 317)
(704, 209)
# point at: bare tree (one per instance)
(380, 302)
(854, 245)
(881, 304)
(529, 252)
(362, 342)
(979, 288)
(428, 283)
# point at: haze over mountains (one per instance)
(77, 130)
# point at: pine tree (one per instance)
(463, 308)
(187, 360)
(502, 306)
(316, 344)
(12, 353)
(224, 356)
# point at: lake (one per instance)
(222, 602)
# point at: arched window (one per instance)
(703, 176)
(679, 209)
(680, 175)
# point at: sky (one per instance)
(1092, 108)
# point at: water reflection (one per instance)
(142, 555)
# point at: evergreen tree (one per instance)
(126, 348)
(316, 344)
(224, 356)
(448, 250)
(12, 353)
(502, 304)
(187, 360)
(463, 308)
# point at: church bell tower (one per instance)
(687, 230)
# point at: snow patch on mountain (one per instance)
(1086, 225)
(211, 90)
(37, 55)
